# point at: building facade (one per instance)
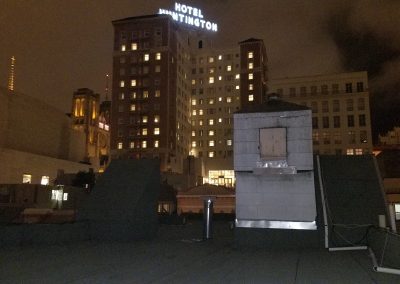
(340, 106)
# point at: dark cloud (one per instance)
(64, 45)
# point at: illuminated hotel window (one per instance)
(26, 178)
(228, 99)
(146, 57)
(65, 196)
(237, 87)
(194, 102)
(250, 54)
(133, 83)
(133, 107)
(193, 133)
(220, 57)
(219, 78)
(132, 145)
(211, 80)
(156, 131)
(211, 143)
(251, 98)
(157, 94)
(122, 84)
(194, 112)
(45, 180)
(156, 119)
(250, 87)
(250, 76)
(193, 82)
(133, 95)
(194, 144)
(200, 112)
(145, 94)
(251, 65)
(144, 131)
(211, 102)
(144, 144)
(229, 142)
(220, 119)
(359, 151)
(211, 70)
(220, 99)
(200, 122)
(119, 145)
(156, 143)
(211, 154)
(134, 46)
(350, 152)
(158, 68)
(211, 121)
(121, 96)
(158, 56)
(144, 119)
(123, 47)
(210, 59)
(237, 76)
(211, 132)
(229, 68)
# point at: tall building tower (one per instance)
(150, 91)
(11, 78)
(253, 73)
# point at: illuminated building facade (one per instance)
(340, 107)
(93, 119)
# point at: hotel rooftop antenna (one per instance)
(106, 89)
(11, 78)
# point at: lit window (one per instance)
(145, 94)
(65, 196)
(220, 119)
(200, 112)
(250, 54)
(211, 80)
(121, 96)
(122, 84)
(193, 82)
(237, 76)
(211, 122)
(251, 65)
(350, 151)
(211, 70)
(229, 142)
(237, 87)
(123, 47)
(210, 59)
(211, 154)
(359, 151)
(134, 46)
(156, 131)
(251, 98)
(250, 87)
(133, 107)
(146, 57)
(220, 57)
(228, 99)
(250, 76)
(220, 99)
(132, 145)
(219, 78)
(194, 144)
(133, 95)
(193, 133)
(229, 68)
(144, 131)
(211, 102)
(211, 143)
(200, 122)
(144, 144)
(156, 119)
(194, 112)
(156, 143)
(158, 56)
(133, 83)
(45, 180)
(119, 145)
(157, 94)
(144, 119)
(194, 102)
(211, 132)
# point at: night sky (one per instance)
(61, 46)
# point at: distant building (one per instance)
(340, 106)
(37, 140)
(391, 139)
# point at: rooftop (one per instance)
(272, 105)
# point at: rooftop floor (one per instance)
(178, 256)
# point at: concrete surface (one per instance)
(177, 256)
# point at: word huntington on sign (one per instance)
(189, 15)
